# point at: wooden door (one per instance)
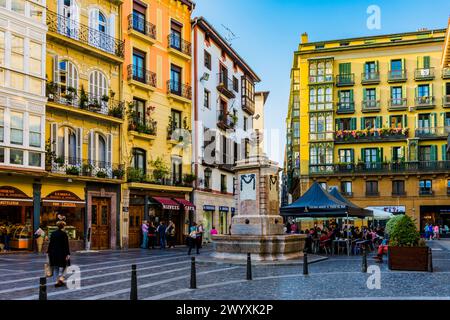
(134, 231)
(101, 208)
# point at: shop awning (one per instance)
(167, 203)
(185, 203)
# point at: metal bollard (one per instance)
(133, 292)
(193, 274)
(364, 261)
(249, 267)
(43, 288)
(305, 263)
(430, 260)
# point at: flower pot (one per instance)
(410, 258)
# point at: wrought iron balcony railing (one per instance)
(85, 168)
(433, 132)
(143, 125)
(343, 80)
(397, 76)
(424, 102)
(370, 105)
(87, 101)
(84, 34)
(179, 89)
(424, 74)
(177, 43)
(141, 176)
(139, 24)
(225, 85)
(380, 168)
(345, 107)
(370, 77)
(225, 120)
(398, 103)
(140, 74)
(446, 73)
(370, 135)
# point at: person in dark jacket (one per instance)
(151, 235)
(59, 253)
(161, 230)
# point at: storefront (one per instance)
(436, 215)
(223, 220)
(208, 221)
(16, 219)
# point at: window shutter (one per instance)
(433, 119)
(379, 122)
(433, 153)
(363, 155)
(54, 137)
(352, 155)
(405, 121)
(381, 155)
(91, 146)
(392, 153)
(431, 90)
(378, 156)
(363, 124)
(112, 31)
(93, 23)
(351, 95)
(353, 123)
(403, 152)
(417, 92)
(56, 70)
(403, 64)
(109, 140)
(426, 62)
(364, 94)
(444, 152)
(79, 144)
(377, 66)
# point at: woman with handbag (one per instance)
(59, 253)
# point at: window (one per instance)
(427, 153)
(16, 156)
(138, 65)
(35, 131)
(175, 37)
(245, 123)
(2, 48)
(138, 161)
(223, 183)
(36, 12)
(346, 155)
(235, 84)
(207, 60)
(346, 124)
(369, 123)
(67, 145)
(207, 98)
(397, 154)
(321, 154)
(396, 121)
(371, 95)
(17, 50)
(207, 182)
(370, 71)
(3, 3)
(296, 128)
(175, 79)
(346, 188)
(35, 57)
(424, 122)
(2, 155)
(177, 170)
(138, 111)
(371, 188)
(396, 68)
(68, 75)
(323, 185)
(176, 119)
(398, 187)
(397, 96)
(2, 125)
(247, 148)
(425, 187)
(101, 152)
(34, 159)
(345, 98)
(18, 6)
(371, 155)
(16, 128)
(423, 91)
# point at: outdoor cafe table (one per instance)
(338, 242)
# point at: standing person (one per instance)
(144, 229)
(40, 237)
(436, 231)
(59, 253)
(161, 230)
(294, 228)
(192, 238)
(199, 238)
(426, 231)
(151, 235)
(213, 231)
(430, 231)
(170, 232)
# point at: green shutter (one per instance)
(379, 122)
(433, 153)
(377, 66)
(444, 152)
(363, 155)
(364, 94)
(403, 152)
(344, 68)
(363, 125)
(426, 62)
(353, 124)
(352, 155)
(351, 95)
(405, 120)
(392, 153)
(433, 119)
(431, 90)
(378, 155)
(381, 155)
(403, 64)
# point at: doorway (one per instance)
(134, 230)
(101, 208)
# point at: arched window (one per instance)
(138, 160)
(67, 145)
(68, 76)
(98, 87)
(101, 152)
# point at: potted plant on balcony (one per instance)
(118, 173)
(116, 111)
(51, 89)
(102, 174)
(83, 98)
(86, 169)
(160, 170)
(50, 156)
(73, 171)
(94, 105)
(188, 179)
(105, 98)
(135, 175)
(70, 94)
(407, 251)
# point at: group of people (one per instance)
(164, 234)
(195, 237)
(433, 232)
(5, 236)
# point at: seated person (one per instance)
(382, 249)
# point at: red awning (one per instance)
(186, 204)
(167, 203)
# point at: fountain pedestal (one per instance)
(257, 227)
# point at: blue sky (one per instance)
(269, 31)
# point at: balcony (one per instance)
(370, 78)
(135, 175)
(82, 102)
(397, 76)
(144, 126)
(179, 91)
(446, 101)
(316, 79)
(424, 167)
(248, 104)
(225, 86)
(179, 46)
(225, 120)
(68, 166)
(424, 102)
(73, 33)
(143, 78)
(141, 28)
(371, 135)
(372, 194)
(398, 193)
(424, 74)
(370, 106)
(426, 192)
(345, 107)
(398, 104)
(446, 73)
(345, 80)
(432, 133)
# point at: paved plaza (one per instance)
(166, 275)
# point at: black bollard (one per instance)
(193, 274)
(249, 267)
(430, 260)
(364, 261)
(133, 292)
(43, 288)
(305, 263)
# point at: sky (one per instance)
(268, 32)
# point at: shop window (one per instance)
(35, 131)
(16, 157)
(34, 159)
(16, 128)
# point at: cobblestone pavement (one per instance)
(166, 275)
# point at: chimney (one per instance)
(304, 37)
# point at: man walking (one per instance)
(162, 234)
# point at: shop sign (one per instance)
(63, 196)
(63, 204)
(233, 210)
(207, 207)
(392, 209)
(224, 209)
(9, 203)
(11, 192)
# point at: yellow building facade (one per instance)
(157, 87)
(370, 116)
